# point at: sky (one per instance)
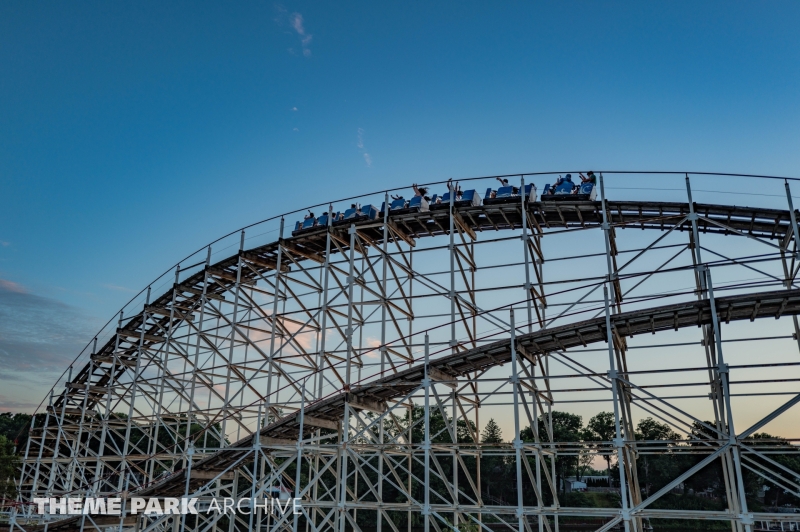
(132, 134)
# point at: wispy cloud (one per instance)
(360, 144)
(11, 286)
(4, 243)
(39, 337)
(374, 344)
(296, 22)
(294, 108)
(305, 38)
(9, 404)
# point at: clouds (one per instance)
(305, 38)
(360, 145)
(11, 287)
(296, 22)
(9, 404)
(39, 338)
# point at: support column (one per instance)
(514, 380)
(716, 396)
(619, 442)
(234, 321)
(299, 452)
(745, 518)
(622, 414)
(345, 429)
(426, 444)
(452, 248)
(383, 351)
(789, 269)
(274, 323)
(526, 253)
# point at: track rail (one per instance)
(772, 304)
(768, 224)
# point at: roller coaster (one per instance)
(351, 363)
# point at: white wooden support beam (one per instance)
(320, 423)
(111, 360)
(138, 335)
(441, 376)
(228, 276)
(162, 311)
(270, 264)
(197, 474)
(266, 441)
(361, 403)
(195, 291)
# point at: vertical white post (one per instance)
(745, 518)
(790, 269)
(256, 456)
(384, 351)
(517, 439)
(426, 444)
(619, 443)
(452, 270)
(526, 253)
(35, 486)
(234, 321)
(728, 473)
(274, 322)
(793, 217)
(299, 452)
(348, 362)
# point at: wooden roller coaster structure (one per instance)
(314, 365)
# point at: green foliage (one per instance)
(576, 499)
(656, 470)
(15, 428)
(492, 433)
(8, 467)
(601, 428)
(566, 427)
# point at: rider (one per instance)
(589, 178)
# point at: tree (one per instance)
(493, 464)
(492, 433)
(567, 428)
(8, 468)
(585, 459)
(656, 470)
(602, 428)
(15, 428)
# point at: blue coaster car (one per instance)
(323, 220)
(509, 195)
(304, 226)
(366, 212)
(396, 205)
(418, 203)
(401, 206)
(566, 190)
(469, 198)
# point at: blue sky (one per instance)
(133, 133)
